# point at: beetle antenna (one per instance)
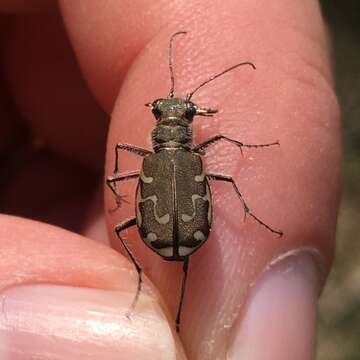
(171, 93)
(189, 96)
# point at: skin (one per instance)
(123, 62)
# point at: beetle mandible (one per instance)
(173, 197)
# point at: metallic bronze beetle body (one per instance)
(173, 197)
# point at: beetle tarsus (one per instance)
(182, 293)
(124, 225)
(119, 199)
(111, 183)
(138, 291)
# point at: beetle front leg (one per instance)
(111, 183)
(124, 225)
(246, 208)
(131, 148)
(182, 293)
(201, 147)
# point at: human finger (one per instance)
(289, 98)
(65, 296)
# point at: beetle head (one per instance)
(177, 109)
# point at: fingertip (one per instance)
(279, 319)
(66, 322)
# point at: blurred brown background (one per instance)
(339, 331)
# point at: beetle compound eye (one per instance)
(156, 111)
(190, 111)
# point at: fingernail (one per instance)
(279, 320)
(58, 322)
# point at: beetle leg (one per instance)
(246, 208)
(122, 226)
(111, 183)
(131, 148)
(182, 293)
(201, 147)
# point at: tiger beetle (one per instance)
(173, 197)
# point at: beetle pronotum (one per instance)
(173, 197)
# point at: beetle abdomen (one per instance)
(173, 203)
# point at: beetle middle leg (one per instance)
(246, 208)
(122, 226)
(111, 183)
(201, 147)
(112, 180)
(182, 293)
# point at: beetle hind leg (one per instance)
(246, 208)
(182, 293)
(124, 225)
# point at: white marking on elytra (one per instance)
(206, 197)
(151, 237)
(200, 178)
(187, 218)
(138, 213)
(161, 220)
(199, 235)
(185, 250)
(167, 252)
(210, 206)
(146, 179)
